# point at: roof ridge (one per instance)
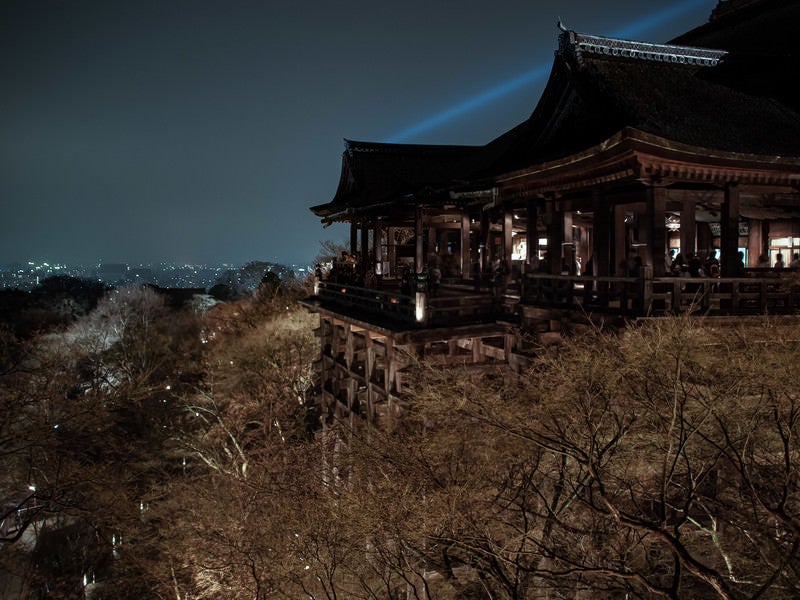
(581, 44)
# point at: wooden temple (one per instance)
(650, 179)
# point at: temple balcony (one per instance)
(386, 304)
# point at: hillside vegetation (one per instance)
(155, 452)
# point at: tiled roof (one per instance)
(599, 86)
(698, 90)
(374, 172)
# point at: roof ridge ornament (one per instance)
(581, 44)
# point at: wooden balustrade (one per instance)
(626, 296)
(620, 295)
(451, 305)
(646, 296)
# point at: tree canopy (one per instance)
(161, 452)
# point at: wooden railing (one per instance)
(647, 296)
(725, 296)
(451, 305)
(626, 296)
(620, 295)
(388, 304)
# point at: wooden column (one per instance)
(466, 262)
(363, 263)
(353, 236)
(656, 230)
(389, 368)
(620, 233)
(369, 368)
(555, 238)
(326, 340)
(568, 245)
(531, 235)
(377, 248)
(729, 234)
(602, 238)
(688, 228)
(391, 250)
(485, 236)
(508, 231)
(419, 254)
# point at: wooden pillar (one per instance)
(602, 238)
(620, 233)
(364, 265)
(419, 254)
(656, 230)
(729, 234)
(688, 228)
(389, 368)
(326, 340)
(508, 230)
(349, 347)
(431, 246)
(477, 350)
(485, 236)
(466, 261)
(568, 245)
(531, 235)
(369, 368)
(391, 251)
(555, 238)
(377, 248)
(353, 236)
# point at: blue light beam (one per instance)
(629, 31)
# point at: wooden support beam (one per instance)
(419, 253)
(568, 245)
(377, 248)
(485, 248)
(602, 238)
(729, 225)
(531, 235)
(555, 238)
(621, 242)
(688, 227)
(390, 368)
(508, 346)
(353, 236)
(349, 351)
(508, 231)
(391, 250)
(465, 262)
(363, 263)
(656, 231)
(369, 369)
(477, 350)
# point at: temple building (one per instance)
(650, 179)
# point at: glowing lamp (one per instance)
(419, 309)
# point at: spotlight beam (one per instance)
(540, 72)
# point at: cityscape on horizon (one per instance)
(27, 276)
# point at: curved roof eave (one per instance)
(631, 142)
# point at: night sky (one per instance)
(200, 131)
